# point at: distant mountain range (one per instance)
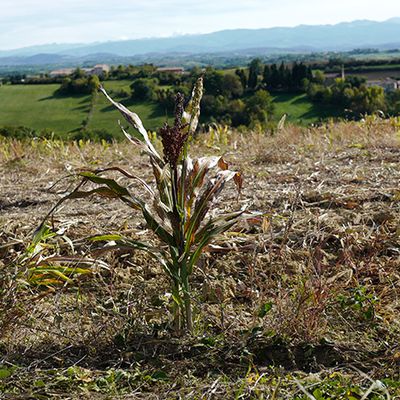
(303, 38)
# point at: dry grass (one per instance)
(311, 291)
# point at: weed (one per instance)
(360, 301)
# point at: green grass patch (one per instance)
(300, 110)
(37, 107)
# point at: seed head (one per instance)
(174, 137)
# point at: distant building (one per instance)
(61, 72)
(99, 70)
(173, 70)
(388, 84)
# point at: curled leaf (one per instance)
(238, 179)
(134, 120)
(223, 164)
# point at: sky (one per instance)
(32, 22)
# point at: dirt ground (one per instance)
(303, 301)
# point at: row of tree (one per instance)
(224, 100)
(241, 97)
(273, 77)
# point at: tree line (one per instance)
(240, 97)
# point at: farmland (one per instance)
(233, 97)
(300, 110)
(36, 106)
(376, 72)
(302, 302)
(199, 201)
(39, 108)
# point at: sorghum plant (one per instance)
(178, 210)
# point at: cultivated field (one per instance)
(40, 108)
(301, 303)
(300, 110)
(376, 74)
(36, 106)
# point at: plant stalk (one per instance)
(188, 305)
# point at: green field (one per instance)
(36, 106)
(300, 110)
(39, 108)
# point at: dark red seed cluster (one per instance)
(174, 137)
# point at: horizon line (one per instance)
(191, 34)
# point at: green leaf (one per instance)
(41, 235)
(265, 309)
(65, 270)
(38, 273)
(105, 238)
(177, 299)
(207, 238)
(208, 341)
(128, 175)
(5, 373)
(159, 376)
(111, 183)
(213, 228)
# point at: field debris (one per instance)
(300, 302)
